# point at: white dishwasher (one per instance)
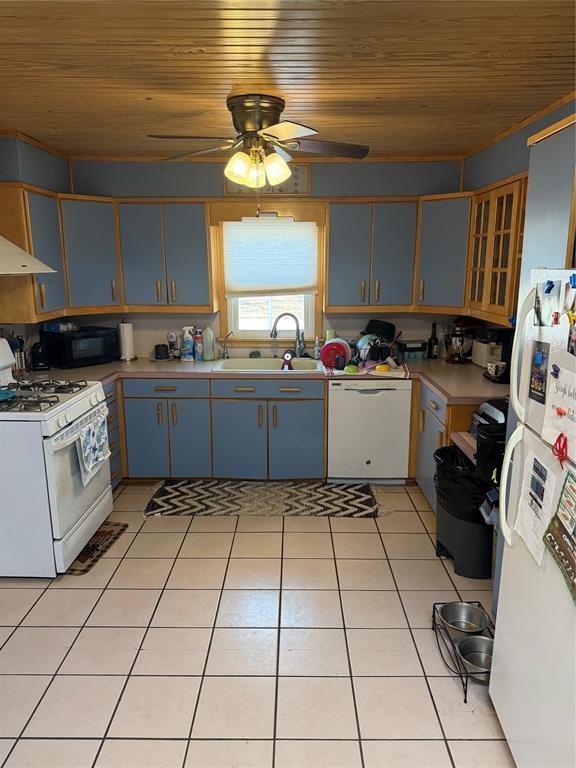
(369, 429)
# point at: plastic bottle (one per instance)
(198, 345)
(208, 341)
(188, 343)
(316, 353)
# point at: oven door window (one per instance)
(69, 499)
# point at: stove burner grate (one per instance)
(29, 402)
(51, 386)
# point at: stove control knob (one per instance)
(61, 421)
(92, 400)
(100, 396)
(68, 418)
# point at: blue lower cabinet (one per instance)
(432, 436)
(190, 449)
(239, 439)
(147, 438)
(296, 439)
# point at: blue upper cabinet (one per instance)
(393, 254)
(90, 248)
(349, 243)
(296, 439)
(142, 254)
(443, 252)
(187, 260)
(46, 245)
(239, 439)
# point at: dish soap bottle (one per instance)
(198, 346)
(208, 341)
(188, 343)
(316, 353)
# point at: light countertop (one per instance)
(455, 384)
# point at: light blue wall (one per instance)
(372, 179)
(8, 159)
(123, 179)
(509, 156)
(147, 179)
(21, 161)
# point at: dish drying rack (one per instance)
(448, 652)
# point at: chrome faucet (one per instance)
(223, 352)
(300, 346)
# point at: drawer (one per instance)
(430, 401)
(114, 439)
(270, 388)
(166, 388)
(110, 391)
(115, 469)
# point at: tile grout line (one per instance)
(344, 632)
(279, 629)
(54, 675)
(410, 630)
(128, 675)
(209, 647)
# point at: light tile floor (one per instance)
(229, 643)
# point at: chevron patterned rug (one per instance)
(239, 497)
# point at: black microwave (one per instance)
(90, 345)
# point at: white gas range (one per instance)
(47, 514)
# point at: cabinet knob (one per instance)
(290, 389)
(274, 416)
(260, 415)
(420, 421)
(165, 389)
(421, 291)
(377, 291)
(42, 287)
(244, 389)
(362, 291)
(173, 289)
(158, 290)
(174, 414)
(434, 405)
(159, 414)
(114, 290)
(440, 439)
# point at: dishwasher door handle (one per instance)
(373, 391)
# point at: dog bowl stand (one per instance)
(448, 651)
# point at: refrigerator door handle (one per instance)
(517, 347)
(515, 439)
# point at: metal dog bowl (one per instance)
(475, 653)
(463, 619)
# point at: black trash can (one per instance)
(462, 532)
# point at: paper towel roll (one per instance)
(126, 334)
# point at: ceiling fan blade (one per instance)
(282, 152)
(225, 148)
(334, 148)
(285, 130)
(184, 136)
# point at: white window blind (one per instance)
(270, 255)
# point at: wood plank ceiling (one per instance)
(407, 77)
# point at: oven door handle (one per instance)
(70, 434)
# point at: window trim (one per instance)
(228, 210)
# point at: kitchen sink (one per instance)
(267, 365)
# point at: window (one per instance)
(270, 267)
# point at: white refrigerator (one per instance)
(533, 679)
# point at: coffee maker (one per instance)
(459, 339)
(504, 337)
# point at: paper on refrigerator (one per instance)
(535, 508)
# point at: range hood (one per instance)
(15, 261)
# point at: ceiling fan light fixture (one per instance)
(256, 175)
(277, 169)
(237, 168)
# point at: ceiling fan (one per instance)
(263, 142)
